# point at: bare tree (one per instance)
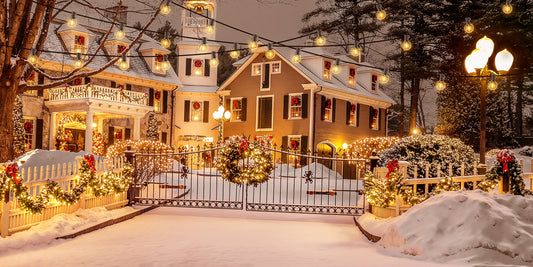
(24, 25)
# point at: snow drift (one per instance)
(464, 224)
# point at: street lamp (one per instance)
(221, 115)
(476, 64)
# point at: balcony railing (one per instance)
(195, 22)
(98, 92)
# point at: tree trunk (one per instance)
(415, 92)
(7, 100)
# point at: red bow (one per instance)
(12, 170)
(90, 160)
(244, 145)
(392, 165)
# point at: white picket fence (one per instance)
(14, 219)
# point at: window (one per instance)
(159, 62)
(197, 111)
(352, 114)
(118, 134)
(276, 67)
(120, 49)
(79, 44)
(328, 109)
(265, 78)
(158, 101)
(295, 146)
(29, 133)
(264, 113)
(236, 109)
(351, 77)
(32, 80)
(374, 113)
(197, 67)
(256, 69)
(374, 82)
(327, 70)
(295, 106)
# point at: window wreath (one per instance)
(328, 104)
(327, 65)
(198, 63)
(159, 58)
(81, 40)
(118, 135)
(77, 81)
(28, 126)
(236, 104)
(354, 108)
(352, 72)
(294, 144)
(240, 161)
(295, 100)
(196, 105)
(158, 95)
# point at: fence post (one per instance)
(6, 206)
(130, 157)
(403, 168)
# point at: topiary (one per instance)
(432, 150)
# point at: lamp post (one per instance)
(221, 115)
(476, 64)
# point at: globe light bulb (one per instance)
(234, 54)
(203, 46)
(336, 69)
(384, 78)
(123, 63)
(165, 65)
(381, 15)
(72, 22)
(210, 28)
(33, 59)
(165, 8)
(165, 43)
(406, 44)
(355, 51)
(214, 60)
(270, 54)
(492, 85)
(252, 45)
(320, 40)
(507, 8)
(78, 63)
(469, 27)
(119, 33)
(296, 58)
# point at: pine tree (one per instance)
(152, 130)
(98, 144)
(18, 127)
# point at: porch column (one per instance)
(136, 128)
(53, 130)
(89, 131)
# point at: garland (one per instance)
(110, 183)
(196, 105)
(243, 162)
(28, 126)
(508, 169)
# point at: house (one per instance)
(305, 106)
(113, 104)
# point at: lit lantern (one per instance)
(478, 59)
(235, 53)
(380, 14)
(507, 8)
(123, 65)
(33, 59)
(165, 65)
(440, 85)
(492, 85)
(165, 8)
(384, 78)
(119, 34)
(210, 28)
(78, 63)
(469, 27)
(270, 54)
(296, 58)
(320, 40)
(336, 69)
(486, 45)
(214, 60)
(72, 21)
(504, 60)
(253, 44)
(165, 42)
(203, 46)
(355, 51)
(406, 44)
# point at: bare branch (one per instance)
(3, 25)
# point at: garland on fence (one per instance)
(446, 184)
(241, 161)
(383, 192)
(506, 167)
(111, 183)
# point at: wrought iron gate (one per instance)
(299, 183)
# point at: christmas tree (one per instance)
(18, 127)
(151, 132)
(98, 144)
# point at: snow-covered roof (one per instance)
(198, 89)
(241, 61)
(64, 27)
(152, 45)
(138, 67)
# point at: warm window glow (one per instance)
(236, 109)
(197, 111)
(295, 104)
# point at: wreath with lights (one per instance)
(352, 72)
(198, 63)
(240, 161)
(196, 105)
(327, 65)
(158, 95)
(295, 101)
(354, 108)
(81, 40)
(77, 81)
(508, 169)
(118, 135)
(294, 144)
(328, 104)
(159, 58)
(236, 104)
(28, 126)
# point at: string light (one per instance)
(203, 46)
(72, 21)
(440, 85)
(214, 60)
(320, 40)
(165, 8)
(507, 8)
(270, 54)
(384, 78)
(123, 65)
(33, 59)
(469, 27)
(210, 28)
(78, 63)
(492, 85)
(165, 65)
(406, 44)
(355, 51)
(119, 34)
(336, 69)
(380, 14)
(165, 42)
(235, 53)
(253, 44)
(296, 58)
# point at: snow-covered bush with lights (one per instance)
(363, 148)
(432, 150)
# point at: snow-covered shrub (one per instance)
(526, 151)
(432, 150)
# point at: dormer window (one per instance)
(154, 56)
(351, 77)
(374, 83)
(159, 62)
(327, 70)
(76, 39)
(80, 44)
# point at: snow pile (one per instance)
(40, 157)
(317, 171)
(60, 225)
(464, 224)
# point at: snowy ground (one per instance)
(464, 226)
(207, 237)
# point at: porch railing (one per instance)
(195, 22)
(98, 92)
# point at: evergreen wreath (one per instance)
(506, 167)
(243, 162)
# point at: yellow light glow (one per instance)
(270, 54)
(165, 65)
(486, 45)
(416, 131)
(381, 15)
(202, 47)
(213, 62)
(355, 51)
(165, 9)
(507, 9)
(165, 43)
(94, 124)
(72, 22)
(77, 50)
(124, 65)
(504, 60)
(78, 63)
(119, 34)
(209, 29)
(33, 59)
(234, 54)
(296, 58)
(384, 79)
(440, 85)
(344, 146)
(197, 72)
(252, 45)
(336, 69)
(492, 85)
(406, 46)
(320, 41)
(468, 28)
